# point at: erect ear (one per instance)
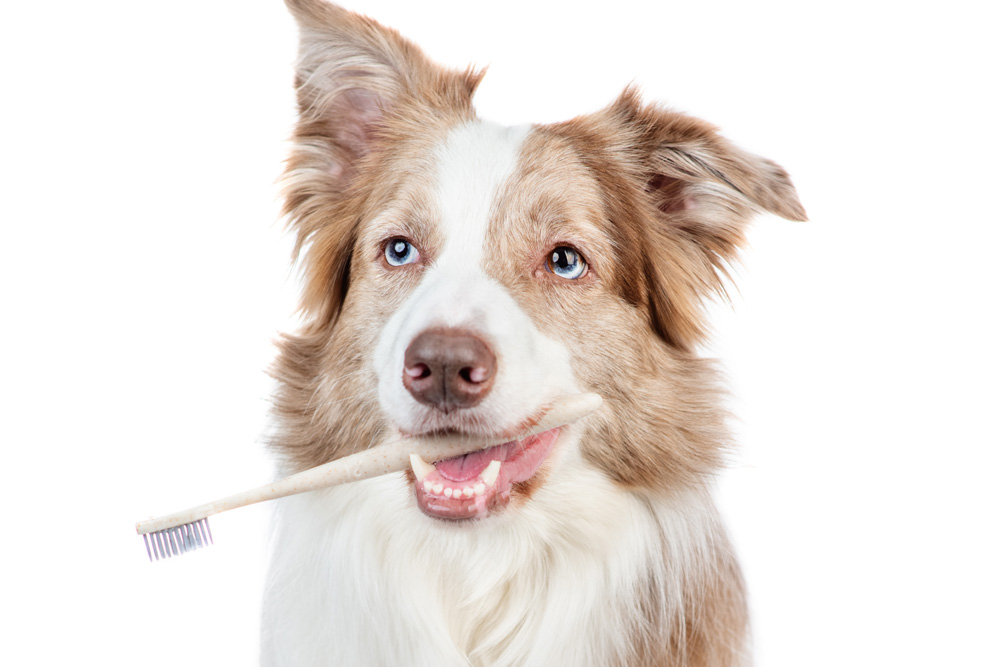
(352, 72)
(353, 77)
(702, 192)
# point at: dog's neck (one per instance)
(507, 591)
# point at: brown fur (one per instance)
(656, 201)
(712, 630)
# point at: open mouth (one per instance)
(473, 485)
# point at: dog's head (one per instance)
(460, 275)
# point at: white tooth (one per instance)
(490, 474)
(448, 493)
(468, 492)
(480, 489)
(437, 488)
(428, 485)
(420, 467)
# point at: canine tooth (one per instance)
(480, 489)
(490, 474)
(468, 492)
(420, 467)
(438, 488)
(448, 492)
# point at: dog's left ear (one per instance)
(353, 73)
(354, 77)
(702, 191)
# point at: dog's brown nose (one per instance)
(448, 369)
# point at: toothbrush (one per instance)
(181, 532)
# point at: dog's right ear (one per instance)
(701, 192)
(353, 76)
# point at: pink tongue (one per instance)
(470, 466)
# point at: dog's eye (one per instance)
(566, 262)
(400, 251)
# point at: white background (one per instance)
(144, 274)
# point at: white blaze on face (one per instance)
(472, 165)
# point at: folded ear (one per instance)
(354, 77)
(703, 191)
(352, 72)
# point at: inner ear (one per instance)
(360, 111)
(349, 122)
(669, 194)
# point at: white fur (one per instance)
(472, 166)
(361, 577)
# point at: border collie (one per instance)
(458, 276)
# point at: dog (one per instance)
(458, 276)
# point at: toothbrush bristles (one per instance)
(179, 540)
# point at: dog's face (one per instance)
(461, 275)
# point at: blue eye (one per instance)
(566, 263)
(400, 251)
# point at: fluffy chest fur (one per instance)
(459, 276)
(361, 577)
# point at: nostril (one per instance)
(418, 371)
(474, 374)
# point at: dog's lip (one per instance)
(443, 494)
(507, 435)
